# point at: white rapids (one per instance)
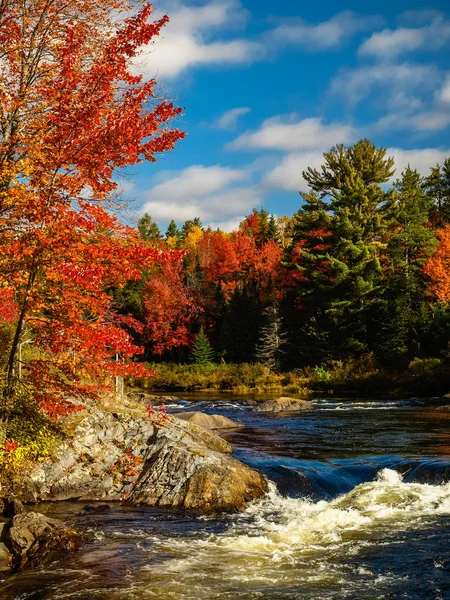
(280, 541)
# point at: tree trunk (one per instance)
(11, 369)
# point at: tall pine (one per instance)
(339, 240)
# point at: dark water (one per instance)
(359, 509)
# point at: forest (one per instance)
(359, 274)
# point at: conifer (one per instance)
(202, 351)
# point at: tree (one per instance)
(403, 313)
(339, 238)
(148, 229)
(437, 268)
(438, 188)
(170, 308)
(273, 340)
(173, 235)
(202, 351)
(72, 114)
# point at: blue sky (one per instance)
(268, 86)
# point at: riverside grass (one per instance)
(423, 377)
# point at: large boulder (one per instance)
(208, 421)
(5, 556)
(34, 539)
(283, 404)
(172, 463)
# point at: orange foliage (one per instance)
(437, 267)
(73, 113)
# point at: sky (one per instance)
(267, 86)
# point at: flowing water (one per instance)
(359, 508)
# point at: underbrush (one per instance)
(227, 377)
(362, 376)
(31, 436)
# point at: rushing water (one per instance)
(359, 508)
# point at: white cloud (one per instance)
(326, 35)
(444, 92)
(281, 133)
(228, 226)
(198, 191)
(185, 42)
(230, 118)
(421, 160)
(403, 84)
(392, 42)
(389, 43)
(288, 174)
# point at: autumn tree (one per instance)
(437, 268)
(72, 113)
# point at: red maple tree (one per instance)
(73, 112)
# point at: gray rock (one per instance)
(172, 463)
(34, 539)
(5, 556)
(208, 421)
(283, 404)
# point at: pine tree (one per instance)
(402, 313)
(339, 240)
(438, 188)
(202, 351)
(272, 229)
(148, 229)
(172, 230)
(273, 340)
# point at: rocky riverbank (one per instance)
(151, 461)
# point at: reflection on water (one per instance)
(361, 509)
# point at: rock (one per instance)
(5, 556)
(12, 507)
(283, 404)
(96, 508)
(171, 463)
(208, 421)
(445, 408)
(145, 398)
(34, 539)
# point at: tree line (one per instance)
(362, 268)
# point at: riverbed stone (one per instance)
(5, 556)
(208, 421)
(35, 539)
(12, 506)
(153, 461)
(283, 404)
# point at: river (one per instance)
(359, 508)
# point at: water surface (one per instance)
(359, 508)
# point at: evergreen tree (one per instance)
(202, 351)
(271, 349)
(148, 229)
(339, 237)
(403, 314)
(272, 229)
(438, 188)
(172, 230)
(239, 328)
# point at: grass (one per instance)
(423, 377)
(243, 378)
